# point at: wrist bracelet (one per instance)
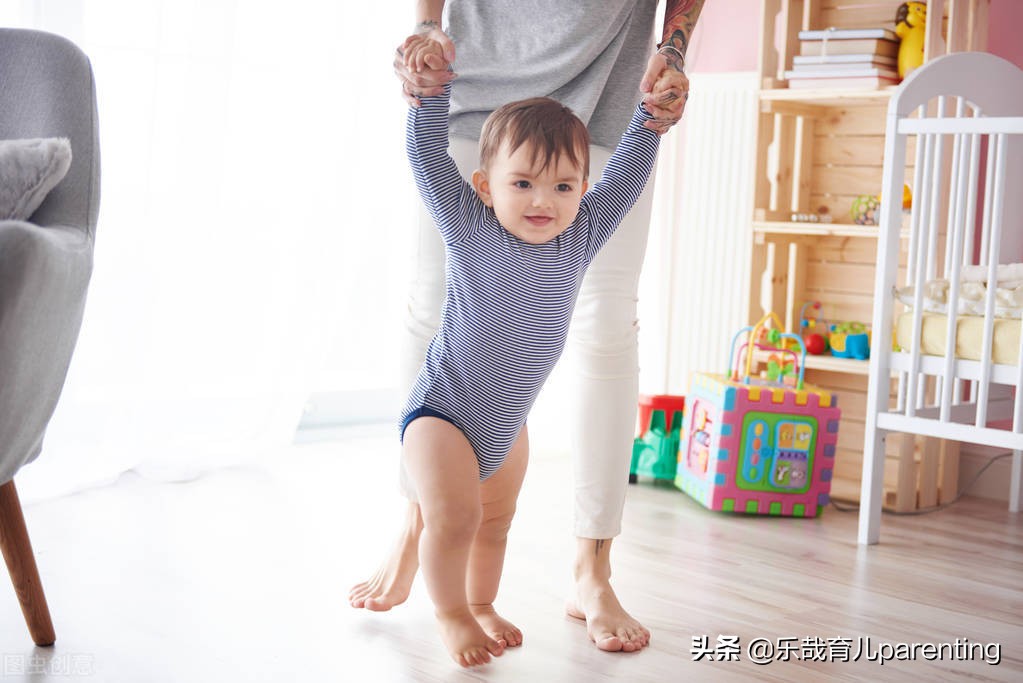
(668, 46)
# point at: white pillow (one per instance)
(29, 169)
(972, 294)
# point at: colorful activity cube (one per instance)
(754, 445)
(757, 449)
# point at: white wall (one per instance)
(254, 186)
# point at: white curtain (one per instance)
(254, 191)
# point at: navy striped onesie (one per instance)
(509, 303)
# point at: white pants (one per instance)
(602, 337)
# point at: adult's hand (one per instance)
(432, 75)
(666, 88)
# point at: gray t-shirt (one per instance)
(587, 54)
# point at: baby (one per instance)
(519, 239)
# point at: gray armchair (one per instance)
(46, 90)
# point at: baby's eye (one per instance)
(522, 184)
(563, 187)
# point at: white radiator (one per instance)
(696, 277)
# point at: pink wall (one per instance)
(727, 37)
(1006, 19)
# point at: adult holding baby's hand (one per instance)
(590, 55)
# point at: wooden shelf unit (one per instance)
(848, 366)
(780, 99)
(817, 150)
(764, 228)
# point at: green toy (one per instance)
(655, 453)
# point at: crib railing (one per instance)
(963, 146)
(968, 135)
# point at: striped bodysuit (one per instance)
(508, 303)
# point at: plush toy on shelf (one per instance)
(910, 20)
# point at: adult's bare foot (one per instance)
(391, 584)
(609, 626)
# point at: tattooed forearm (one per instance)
(428, 15)
(679, 21)
(427, 26)
(672, 57)
(678, 41)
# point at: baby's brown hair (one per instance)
(547, 125)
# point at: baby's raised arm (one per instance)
(624, 177)
(451, 201)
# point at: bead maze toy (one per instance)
(811, 325)
(655, 450)
(759, 444)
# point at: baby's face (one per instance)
(534, 205)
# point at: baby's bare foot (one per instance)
(609, 626)
(391, 584)
(465, 639)
(496, 626)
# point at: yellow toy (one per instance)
(907, 198)
(910, 20)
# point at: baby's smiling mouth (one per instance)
(539, 220)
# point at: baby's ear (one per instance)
(482, 187)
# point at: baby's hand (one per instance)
(666, 101)
(423, 54)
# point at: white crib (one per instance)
(964, 114)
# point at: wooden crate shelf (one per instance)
(815, 229)
(818, 149)
(816, 99)
(849, 366)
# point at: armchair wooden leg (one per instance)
(21, 564)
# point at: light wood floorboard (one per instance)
(241, 575)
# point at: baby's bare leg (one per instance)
(499, 494)
(443, 466)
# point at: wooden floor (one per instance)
(241, 576)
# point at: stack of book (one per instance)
(845, 58)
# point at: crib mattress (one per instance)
(969, 337)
